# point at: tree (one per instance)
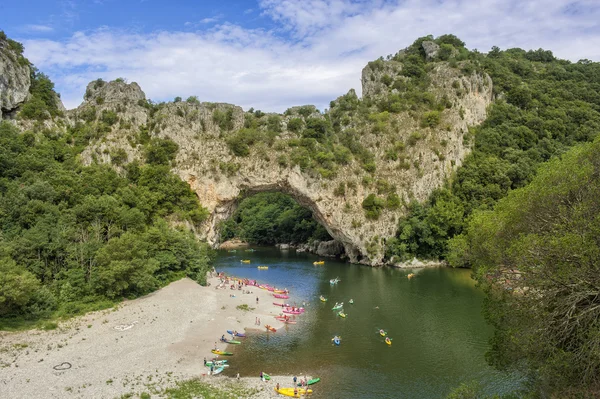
(537, 256)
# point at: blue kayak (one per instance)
(238, 334)
(336, 341)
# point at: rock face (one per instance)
(431, 50)
(14, 80)
(331, 248)
(220, 178)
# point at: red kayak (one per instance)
(289, 322)
(281, 296)
(292, 311)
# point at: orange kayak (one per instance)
(268, 327)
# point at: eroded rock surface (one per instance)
(221, 178)
(14, 80)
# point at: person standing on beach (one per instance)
(238, 376)
(257, 300)
(295, 379)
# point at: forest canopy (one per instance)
(273, 218)
(75, 238)
(537, 256)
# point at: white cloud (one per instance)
(37, 28)
(314, 54)
(210, 20)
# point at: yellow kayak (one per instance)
(388, 341)
(320, 262)
(290, 392)
(263, 267)
(323, 299)
(245, 261)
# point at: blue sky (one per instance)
(271, 54)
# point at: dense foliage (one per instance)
(272, 218)
(73, 237)
(545, 106)
(537, 255)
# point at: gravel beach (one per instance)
(142, 345)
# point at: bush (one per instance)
(192, 100)
(431, 119)
(161, 151)
(224, 119)
(295, 125)
(109, 117)
(373, 206)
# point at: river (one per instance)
(439, 336)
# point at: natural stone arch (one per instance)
(227, 207)
(208, 164)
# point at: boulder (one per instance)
(431, 50)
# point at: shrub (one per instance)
(161, 151)
(295, 125)
(414, 138)
(274, 123)
(340, 190)
(224, 119)
(431, 119)
(373, 206)
(109, 117)
(192, 100)
(118, 156)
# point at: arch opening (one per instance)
(272, 215)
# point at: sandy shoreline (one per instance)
(143, 344)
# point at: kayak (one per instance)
(382, 333)
(222, 353)
(237, 334)
(342, 314)
(282, 304)
(323, 299)
(320, 262)
(351, 301)
(245, 261)
(217, 363)
(266, 376)
(232, 341)
(336, 340)
(281, 296)
(280, 291)
(310, 382)
(290, 392)
(218, 370)
(289, 321)
(208, 364)
(388, 341)
(292, 311)
(269, 328)
(263, 267)
(338, 306)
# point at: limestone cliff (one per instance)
(407, 154)
(14, 79)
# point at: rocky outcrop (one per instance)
(15, 80)
(220, 178)
(431, 50)
(330, 249)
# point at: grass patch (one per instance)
(244, 307)
(196, 389)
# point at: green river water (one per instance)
(439, 336)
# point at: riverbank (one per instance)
(140, 346)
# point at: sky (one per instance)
(271, 54)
